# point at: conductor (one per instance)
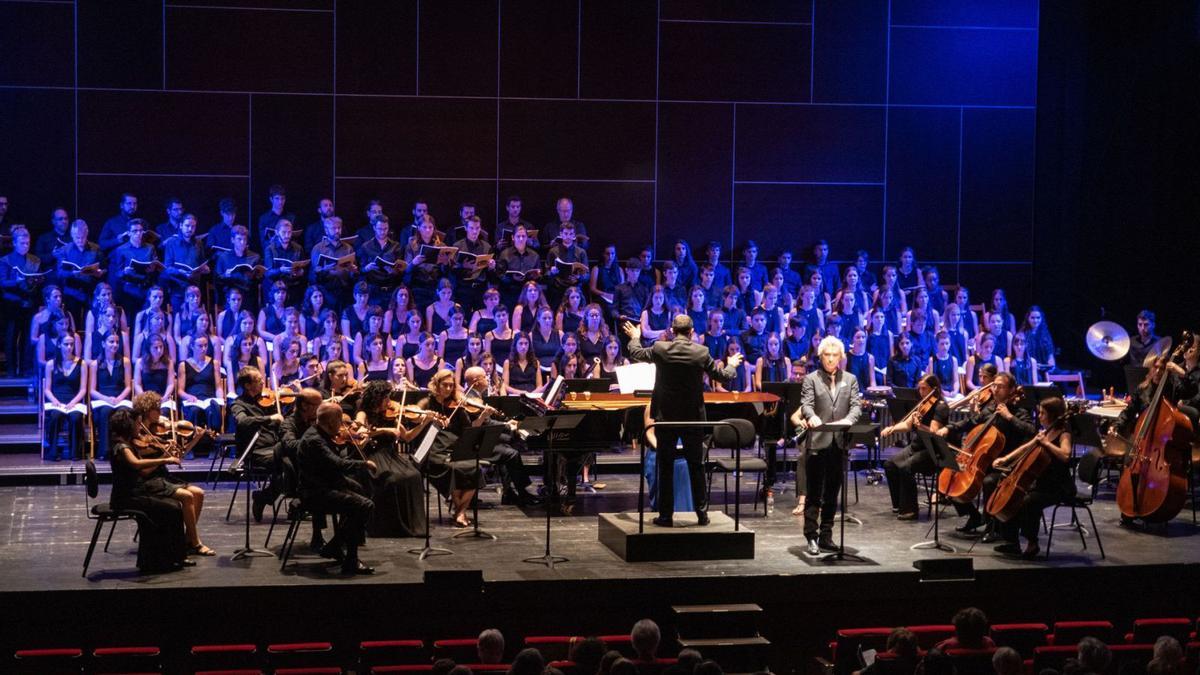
(679, 397)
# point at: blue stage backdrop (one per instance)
(873, 124)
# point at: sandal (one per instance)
(201, 550)
(599, 486)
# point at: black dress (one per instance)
(546, 350)
(396, 488)
(525, 378)
(501, 348)
(422, 376)
(380, 375)
(454, 349)
(110, 381)
(162, 545)
(591, 350)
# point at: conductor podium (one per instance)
(686, 541)
(627, 535)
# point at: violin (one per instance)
(276, 397)
(411, 413)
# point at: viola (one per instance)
(980, 448)
(1153, 484)
(411, 413)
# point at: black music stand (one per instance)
(473, 442)
(548, 424)
(248, 551)
(844, 429)
(789, 402)
(943, 458)
(422, 450)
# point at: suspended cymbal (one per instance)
(1108, 341)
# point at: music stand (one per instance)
(789, 402)
(943, 458)
(248, 551)
(419, 455)
(548, 424)
(843, 428)
(473, 442)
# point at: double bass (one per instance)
(980, 448)
(1153, 483)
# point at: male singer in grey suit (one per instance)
(828, 395)
(678, 396)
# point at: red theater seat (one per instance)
(286, 657)
(1122, 654)
(1023, 637)
(49, 661)
(1069, 633)
(126, 659)
(392, 652)
(1146, 631)
(844, 650)
(972, 661)
(461, 650)
(888, 663)
(228, 657)
(404, 668)
(552, 647)
(1052, 656)
(929, 635)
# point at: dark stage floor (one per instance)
(44, 534)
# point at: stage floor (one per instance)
(44, 533)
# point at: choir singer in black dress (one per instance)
(679, 397)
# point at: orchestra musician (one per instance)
(158, 482)
(325, 486)
(397, 488)
(455, 480)
(1054, 484)
(679, 396)
(902, 467)
(162, 545)
(514, 475)
(253, 418)
(1014, 422)
(303, 416)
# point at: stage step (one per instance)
(22, 437)
(717, 621)
(686, 541)
(728, 634)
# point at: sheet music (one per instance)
(636, 377)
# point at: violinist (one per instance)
(397, 487)
(512, 470)
(156, 481)
(254, 418)
(325, 486)
(457, 481)
(1052, 486)
(1014, 422)
(161, 543)
(303, 416)
(1185, 377)
(901, 468)
(340, 387)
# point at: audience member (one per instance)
(645, 637)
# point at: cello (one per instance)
(980, 448)
(1153, 483)
(1005, 502)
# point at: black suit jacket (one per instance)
(679, 382)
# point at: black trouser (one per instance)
(693, 452)
(100, 418)
(901, 470)
(989, 485)
(55, 419)
(266, 459)
(824, 479)
(512, 469)
(16, 328)
(355, 510)
(1029, 519)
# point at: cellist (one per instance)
(1053, 485)
(1017, 426)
